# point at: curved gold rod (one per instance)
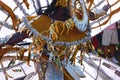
(26, 3)
(112, 13)
(10, 12)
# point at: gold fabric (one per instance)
(42, 24)
(64, 34)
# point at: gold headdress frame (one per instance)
(69, 40)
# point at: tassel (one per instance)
(44, 67)
(69, 24)
(57, 30)
(55, 27)
(81, 57)
(21, 52)
(59, 63)
(63, 28)
(81, 54)
(91, 46)
(67, 54)
(54, 34)
(29, 55)
(74, 55)
(86, 49)
(67, 31)
(61, 51)
(21, 55)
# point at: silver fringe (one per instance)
(83, 24)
